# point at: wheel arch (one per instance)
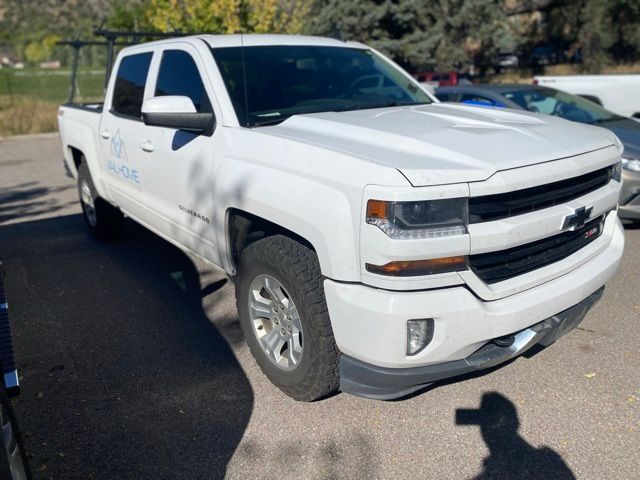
(244, 228)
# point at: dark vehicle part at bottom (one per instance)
(13, 465)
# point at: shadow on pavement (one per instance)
(29, 199)
(124, 376)
(510, 456)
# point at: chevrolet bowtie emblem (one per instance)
(577, 219)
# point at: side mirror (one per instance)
(175, 111)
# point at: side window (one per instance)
(179, 75)
(128, 92)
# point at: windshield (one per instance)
(268, 84)
(560, 104)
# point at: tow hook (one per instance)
(505, 341)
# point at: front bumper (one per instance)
(629, 207)
(365, 380)
(369, 324)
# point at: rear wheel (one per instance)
(284, 317)
(103, 219)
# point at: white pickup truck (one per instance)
(378, 240)
(617, 93)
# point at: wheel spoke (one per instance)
(274, 289)
(295, 321)
(271, 341)
(294, 351)
(260, 306)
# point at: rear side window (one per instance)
(128, 92)
(179, 75)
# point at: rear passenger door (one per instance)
(119, 133)
(178, 165)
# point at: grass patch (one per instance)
(29, 98)
(51, 85)
(27, 115)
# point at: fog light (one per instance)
(419, 334)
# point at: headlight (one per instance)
(632, 164)
(417, 220)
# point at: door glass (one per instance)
(179, 75)
(128, 92)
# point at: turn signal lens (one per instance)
(377, 209)
(413, 268)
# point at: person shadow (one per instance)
(511, 456)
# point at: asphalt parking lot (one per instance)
(133, 367)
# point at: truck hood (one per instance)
(445, 143)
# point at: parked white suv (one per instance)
(379, 241)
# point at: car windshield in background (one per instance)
(560, 104)
(268, 84)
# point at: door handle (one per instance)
(147, 146)
(106, 134)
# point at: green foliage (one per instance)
(228, 16)
(129, 15)
(33, 20)
(420, 35)
(444, 34)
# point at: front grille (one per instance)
(503, 205)
(494, 267)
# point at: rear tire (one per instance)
(292, 271)
(103, 219)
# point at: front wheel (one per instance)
(103, 219)
(284, 317)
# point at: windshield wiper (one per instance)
(270, 121)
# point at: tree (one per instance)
(442, 34)
(39, 51)
(228, 16)
(604, 30)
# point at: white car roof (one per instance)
(252, 40)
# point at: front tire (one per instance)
(284, 317)
(103, 219)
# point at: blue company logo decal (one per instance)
(118, 163)
(117, 149)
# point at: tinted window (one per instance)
(268, 84)
(179, 75)
(128, 92)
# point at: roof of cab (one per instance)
(253, 40)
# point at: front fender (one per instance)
(323, 213)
